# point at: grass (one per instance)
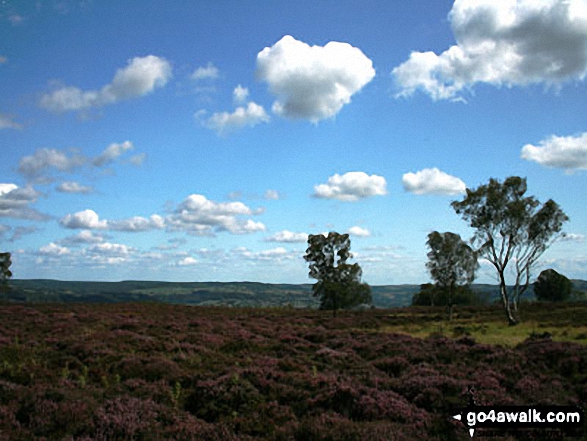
(489, 326)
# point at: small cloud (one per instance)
(111, 153)
(240, 94)
(33, 166)
(8, 122)
(16, 19)
(3, 60)
(15, 202)
(187, 261)
(74, 187)
(53, 250)
(433, 181)
(87, 219)
(286, 236)
(224, 122)
(140, 77)
(83, 237)
(351, 187)
(208, 72)
(271, 195)
(566, 152)
(138, 160)
(359, 232)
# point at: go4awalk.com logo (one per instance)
(567, 419)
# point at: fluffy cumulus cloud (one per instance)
(286, 236)
(15, 202)
(433, 181)
(249, 116)
(199, 216)
(74, 187)
(240, 94)
(53, 249)
(566, 152)
(509, 42)
(89, 220)
(141, 76)
(359, 232)
(313, 82)
(351, 187)
(45, 160)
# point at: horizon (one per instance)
(199, 140)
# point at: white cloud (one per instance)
(87, 219)
(240, 94)
(110, 249)
(15, 201)
(271, 195)
(32, 166)
(359, 232)
(83, 237)
(53, 250)
(74, 187)
(286, 236)
(111, 153)
(566, 152)
(351, 187)
(208, 72)
(187, 261)
(276, 254)
(313, 82)
(137, 223)
(141, 76)
(433, 181)
(225, 122)
(200, 216)
(7, 121)
(513, 42)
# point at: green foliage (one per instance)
(433, 295)
(510, 227)
(552, 286)
(339, 283)
(5, 273)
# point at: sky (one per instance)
(204, 140)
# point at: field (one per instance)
(148, 371)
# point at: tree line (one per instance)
(511, 231)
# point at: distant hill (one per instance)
(243, 294)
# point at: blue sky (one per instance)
(204, 140)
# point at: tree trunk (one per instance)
(506, 301)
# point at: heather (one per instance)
(159, 371)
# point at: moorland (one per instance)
(149, 371)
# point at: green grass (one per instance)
(489, 326)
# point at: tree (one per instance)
(452, 263)
(339, 283)
(552, 286)
(510, 228)
(5, 273)
(431, 295)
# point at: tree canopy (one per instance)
(338, 283)
(552, 287)
(510, 228)
(452, 263)
(5, 273)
